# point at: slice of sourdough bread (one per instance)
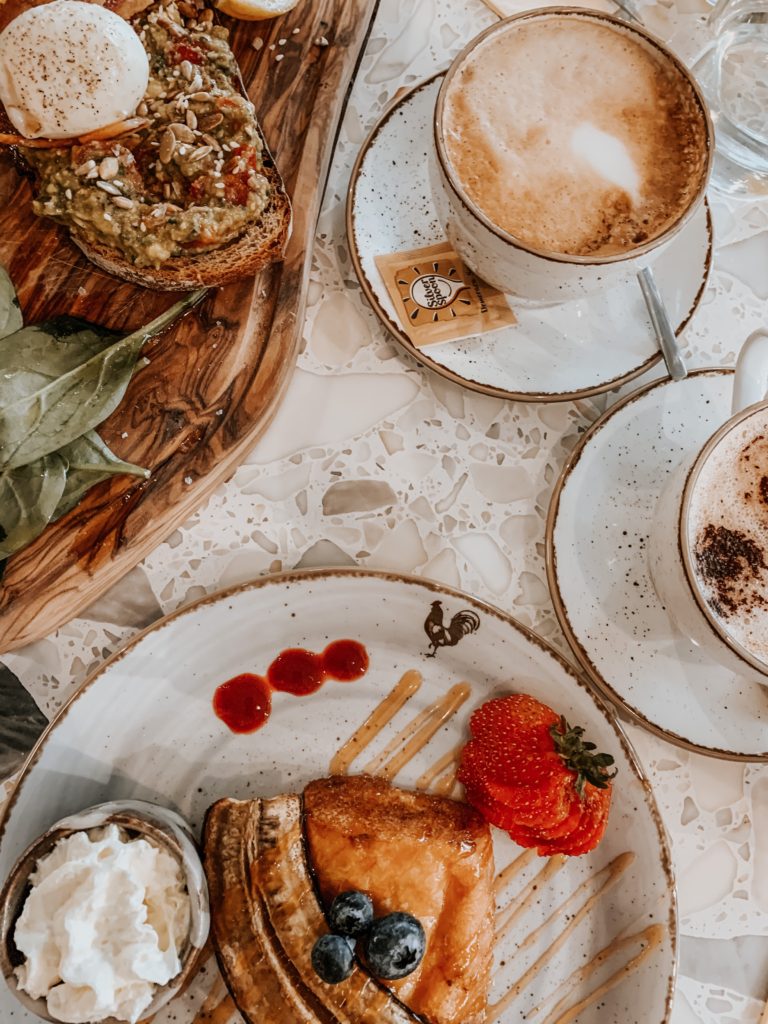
(262, 243)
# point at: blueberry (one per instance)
(333, 958)
(351, 913)
(395, 945)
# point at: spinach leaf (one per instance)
(89, 461)
(10, 313)
(61, 378)
(28, 498)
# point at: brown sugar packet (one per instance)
(438, 299)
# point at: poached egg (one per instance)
(68, 68)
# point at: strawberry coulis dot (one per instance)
(244, 702)
(345, 660)
(296, 671)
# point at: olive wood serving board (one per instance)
(215, 379)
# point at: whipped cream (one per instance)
(102, 926)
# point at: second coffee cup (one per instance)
(567, 147)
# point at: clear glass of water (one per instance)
(733, 74)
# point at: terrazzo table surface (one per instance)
(376, 462)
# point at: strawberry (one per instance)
(590, 828)
(532, 774)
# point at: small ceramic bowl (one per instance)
(135, 818)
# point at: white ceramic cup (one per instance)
(671, 556)
(499, 258)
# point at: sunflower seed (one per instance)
(186, 69)
(109, 167)
(123, 202)
(108, 187)
(200, 97)
(167, 146)
(213, 143)
(200, 152)
(197, 82)
(191, 119)
(182, 132)
(89, 165)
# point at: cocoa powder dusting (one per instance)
(726, 561)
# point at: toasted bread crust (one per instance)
(262, 244)
(351, 803)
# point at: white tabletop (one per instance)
(374, 461)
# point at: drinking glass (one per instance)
(733, 74)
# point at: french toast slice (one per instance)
(420, 853)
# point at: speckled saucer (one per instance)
(143, 727)
(572, 350)
(597, 539)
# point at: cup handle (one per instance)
(750, 383)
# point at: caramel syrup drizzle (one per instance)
(604, 880)
(381, 715)
(507, 917)
(441, 777)
(417, 733)
(511, 871)
(648, 939)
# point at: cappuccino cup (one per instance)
(567, 147)
(708, 549)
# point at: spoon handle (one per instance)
(661, 325)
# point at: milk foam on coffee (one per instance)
(574, 135)
(728, 533)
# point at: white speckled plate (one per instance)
(573, 350)
(143, 727)
(597, 533)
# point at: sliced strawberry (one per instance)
(517, 721)
(527, 770)
(568, 823)
(543, 806)
(590, 828)
(534, 808)
(540, 803)
(500, 816)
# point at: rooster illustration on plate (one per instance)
(442, 634)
